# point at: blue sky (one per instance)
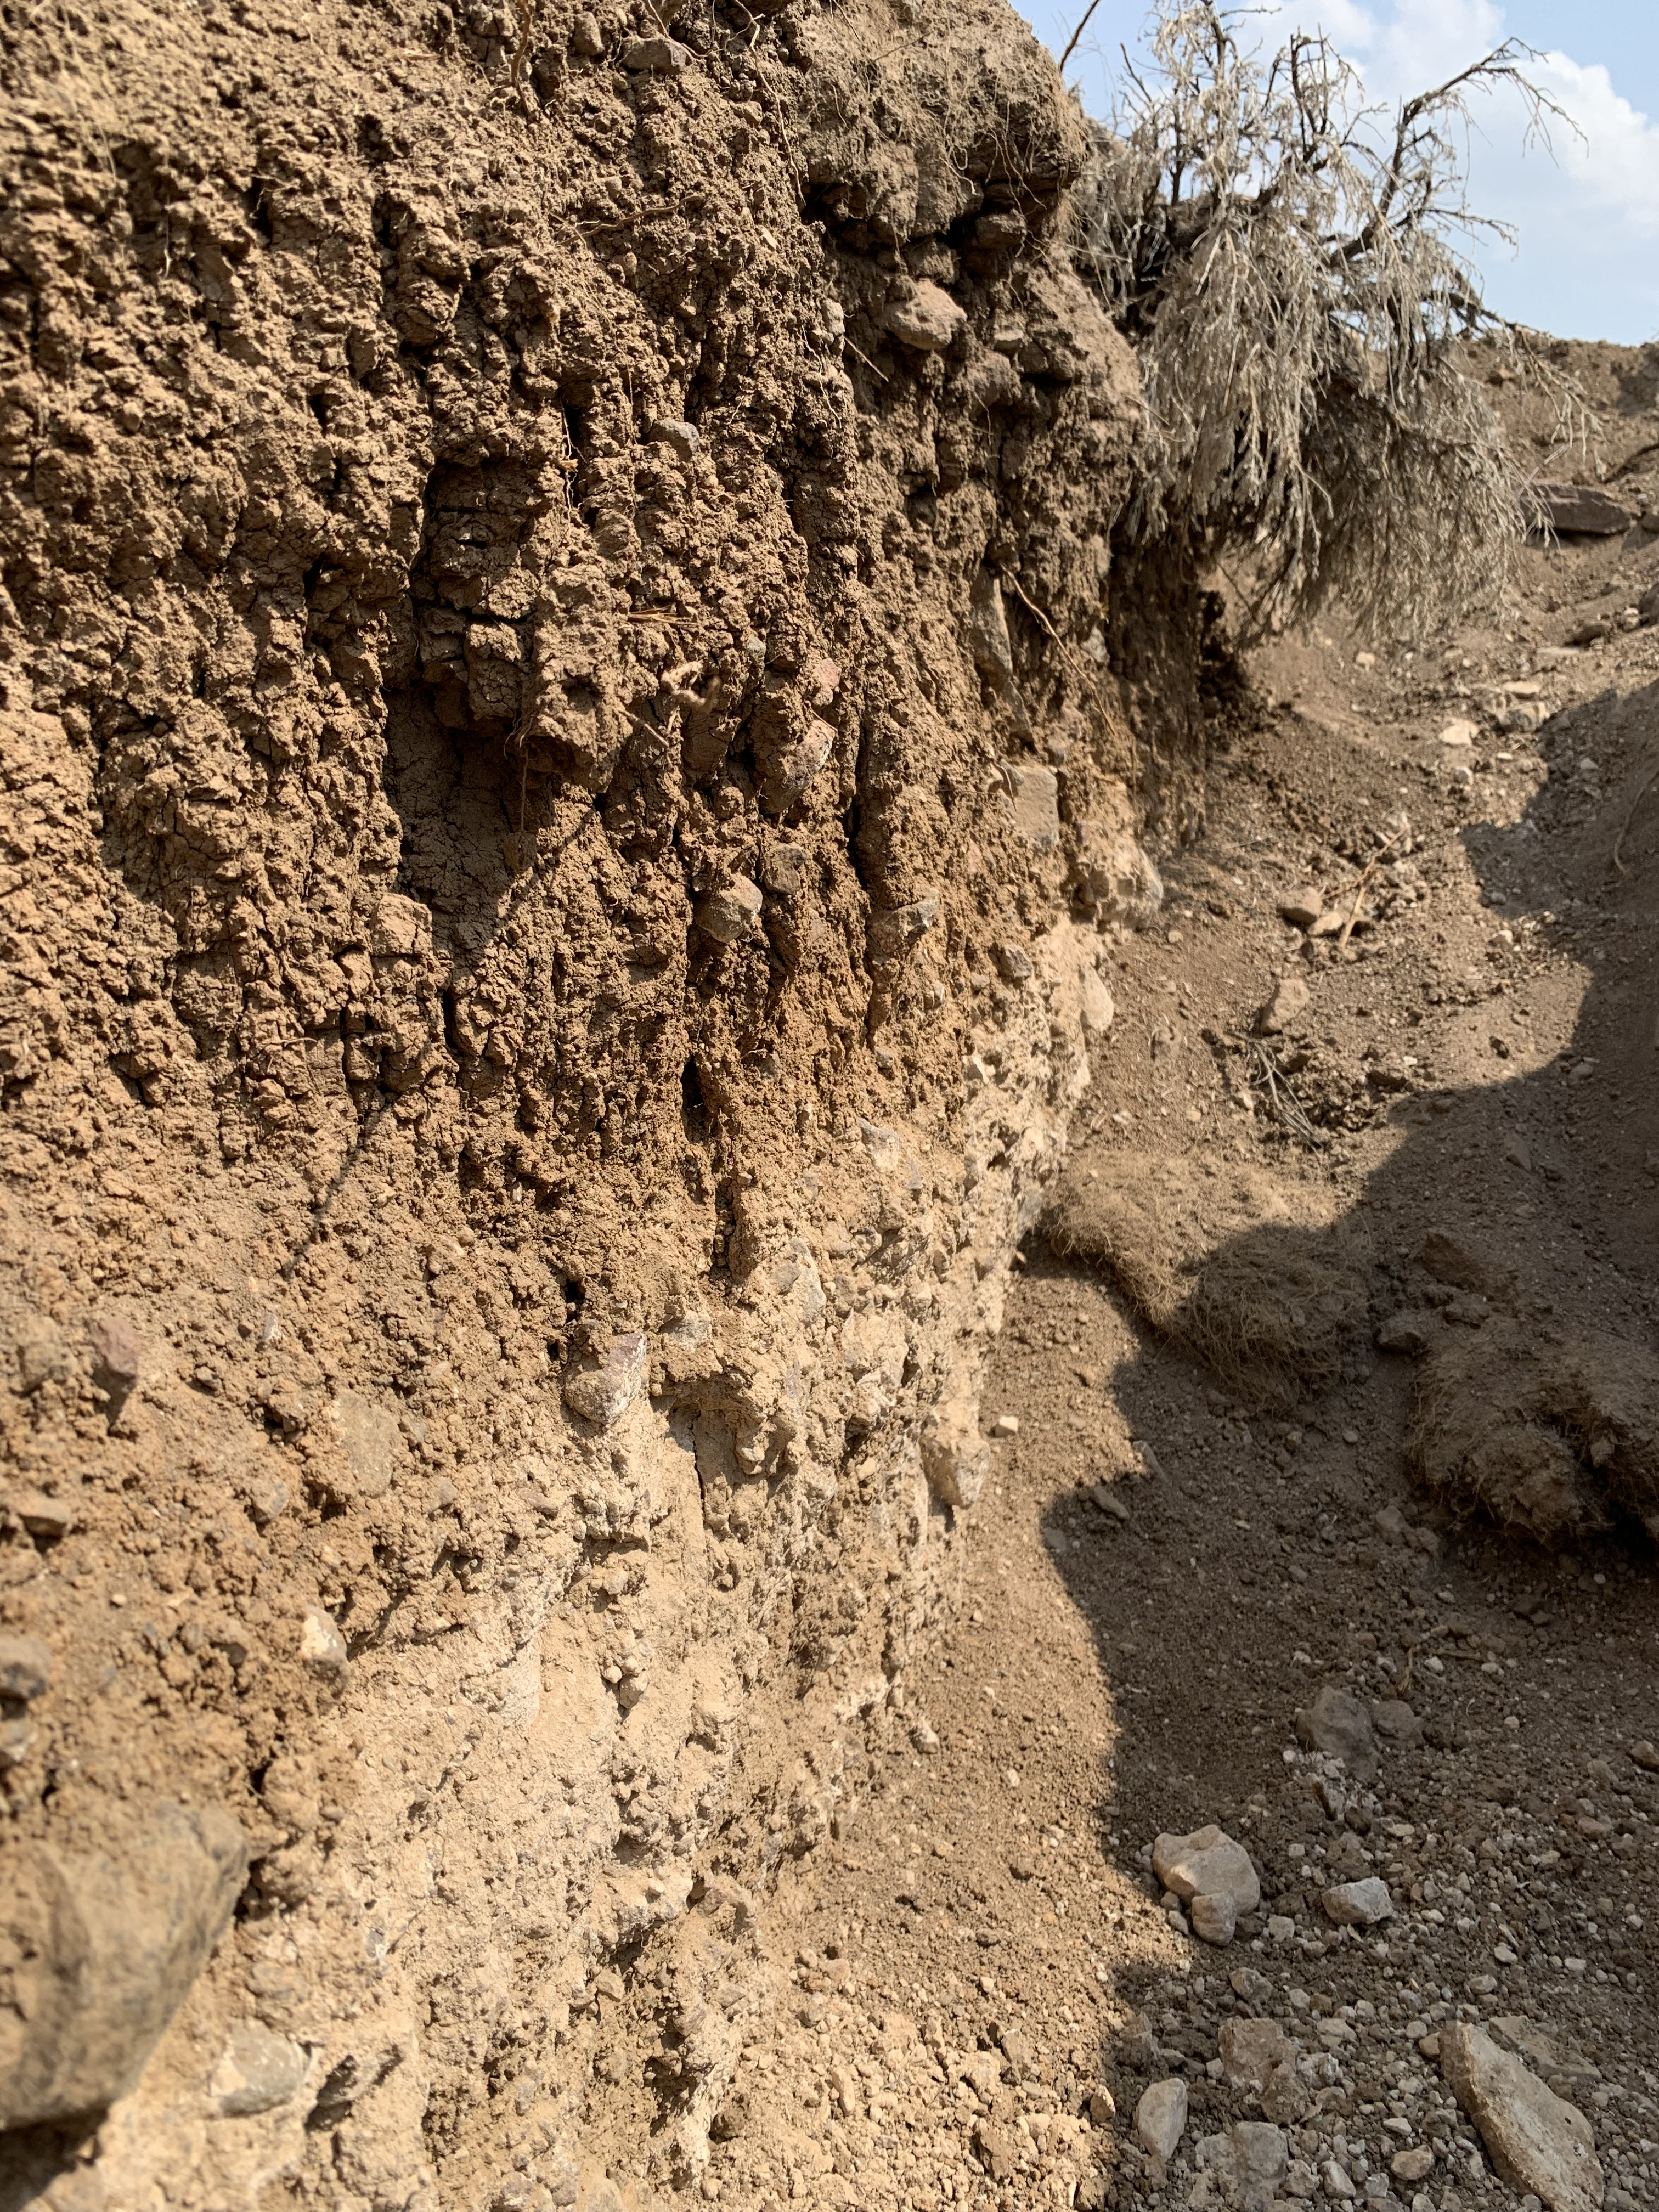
(1587, 218)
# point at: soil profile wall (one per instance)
(563, 799)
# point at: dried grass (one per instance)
(1257, 1277)
(1287, 263)
(1555, 1442)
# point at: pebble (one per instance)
(1412, 2165)
(1341, 1726)
(1302, 908)
(257, 2071)
(322, 1647)
(1006, 1425)
(1160, 2117)
(1251, 2049)
(603, 1394)
(1291, 998)
(680, 437)
(114, 1354)
(1358, 1904)
(25, 1667)
(42, 1354)
(49, 1518)
(1459, 734)
(731, 913)
(1213, 1919)
(1395, 1719)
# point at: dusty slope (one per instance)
(535, 757)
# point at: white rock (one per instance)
(954, 1455)
(1459, 733)
(1006, 1425)
(1160, 2117)
(1034, 796)
(1248, 2162)
(1358, 1904)
(1208, 1864)
(322, 1647)
(1096, 1004)
(1536, 2140)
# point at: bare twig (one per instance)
(1043, 621)
(865, 359)
(1283, 1101)
(526, 19)
(1071, 43)
(1365, 875)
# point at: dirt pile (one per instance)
(561, 800)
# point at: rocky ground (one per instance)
(1180, 1609)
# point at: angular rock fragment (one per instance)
(1208, 1864)
(955, 1456)
(1536, 2140)
(1160, 2117)
(25, 1667)
(1291, 998)
(1340, 1724)
(1358, 1904)
(1213, 1919)
(603, 1394)
(106, 1949)
(322, 1647)
(1250, 2051)
(1576, 511)
(1250, 2160)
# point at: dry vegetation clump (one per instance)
(1286, 262)
(1556, 1441)
(1259, 1278)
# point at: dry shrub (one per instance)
(1258, 1277)
(1286, 261)
(1556, 1440)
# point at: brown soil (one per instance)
(569, 849)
